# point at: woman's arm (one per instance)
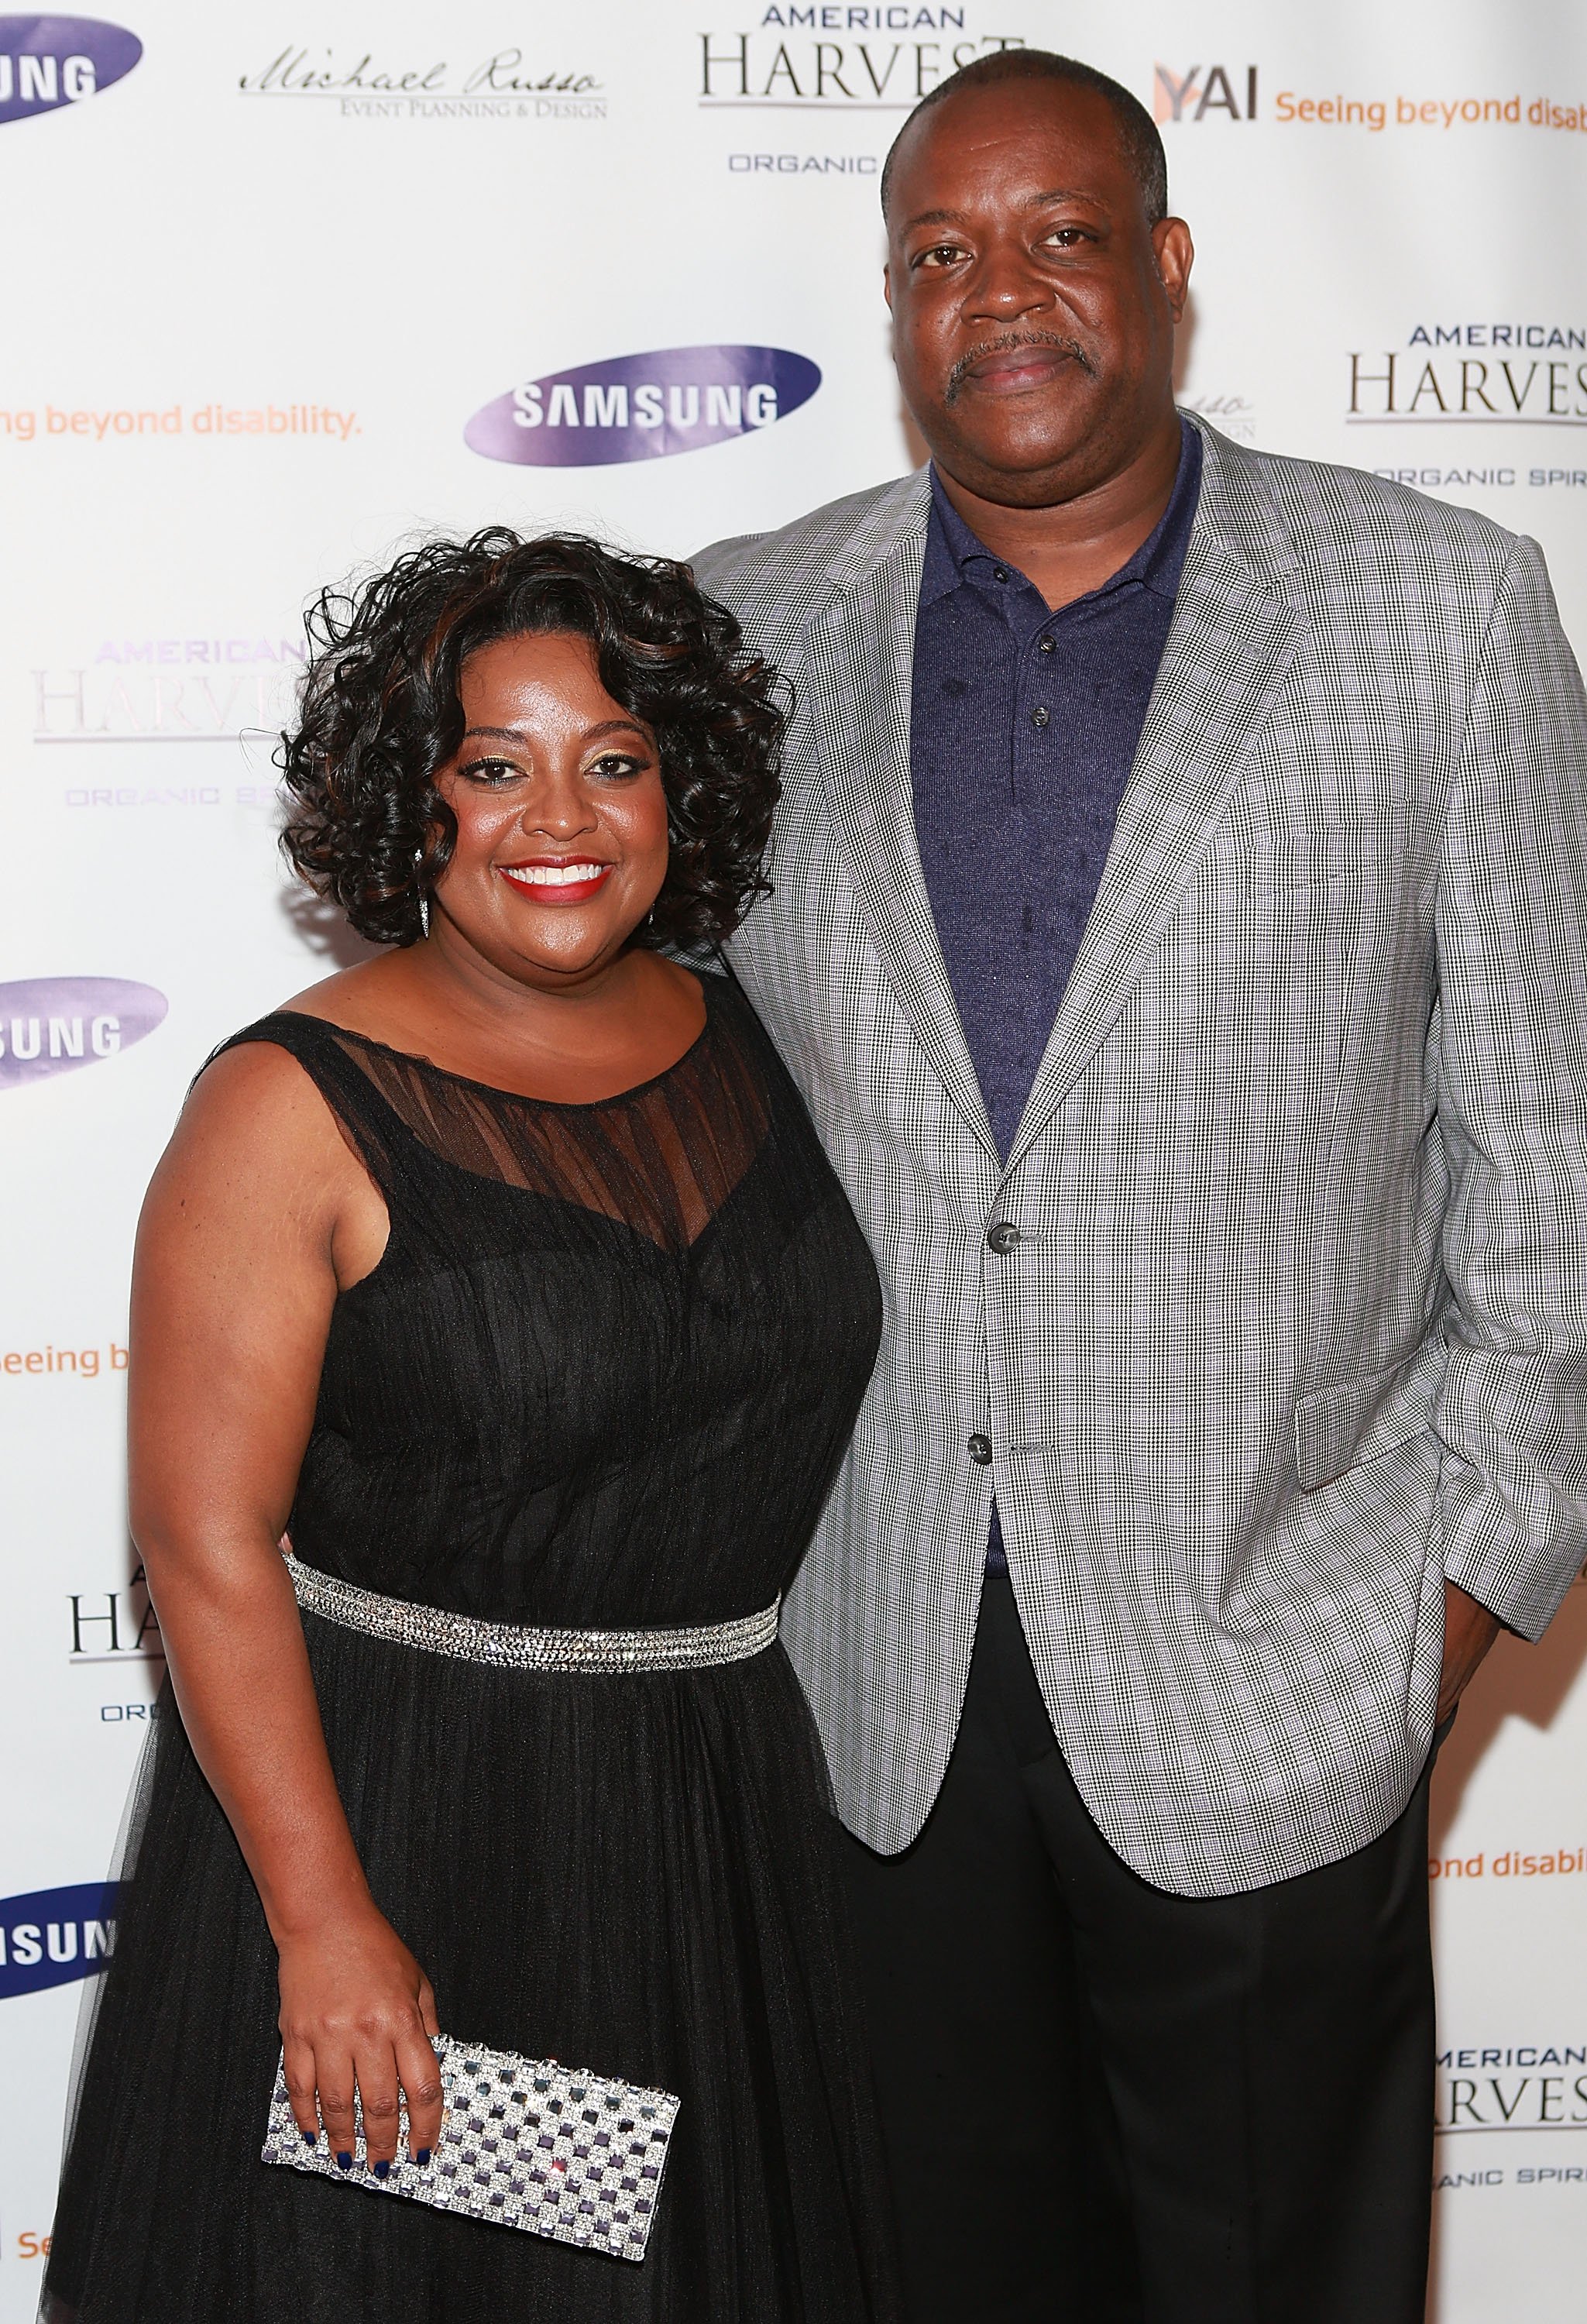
(257, 1215)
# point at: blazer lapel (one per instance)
(859, 672)
(1233, 637)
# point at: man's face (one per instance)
(1033, 306)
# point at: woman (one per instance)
(505, 1275)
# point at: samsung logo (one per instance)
(52, 1935)
(643, 407)
(49, 61)
(56, 1024)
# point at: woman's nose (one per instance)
(561, 807)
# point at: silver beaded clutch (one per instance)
(524, 2142)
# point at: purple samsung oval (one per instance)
(57, 1024)
(643, 407)
(54, 1935)
(47, 63)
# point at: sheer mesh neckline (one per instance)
(661, 1156)
(494, 1088)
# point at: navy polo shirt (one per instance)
(1023, 730)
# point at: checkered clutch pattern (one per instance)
(524, 2142)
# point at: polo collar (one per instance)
(956, 555)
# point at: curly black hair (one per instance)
(379, 718)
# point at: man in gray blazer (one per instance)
(1178, 935)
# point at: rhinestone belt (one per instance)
(506, 1646)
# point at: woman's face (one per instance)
(561, 844)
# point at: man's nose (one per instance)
(1005, 285)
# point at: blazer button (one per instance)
(979, 1448)
(1003, 1237)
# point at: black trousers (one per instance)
(1106, 2105)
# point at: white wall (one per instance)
(365, 269)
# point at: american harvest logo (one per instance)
(643, 407)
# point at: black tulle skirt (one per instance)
(635, 1874)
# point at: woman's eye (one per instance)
(616, 766)
(491, 772)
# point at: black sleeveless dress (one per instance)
(601, 1378)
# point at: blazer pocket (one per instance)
(1331, 1423)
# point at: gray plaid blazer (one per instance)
(1296, 1323)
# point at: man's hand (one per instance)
(1468, 1630)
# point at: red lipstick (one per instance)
(556, 879)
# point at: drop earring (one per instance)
(423, 898)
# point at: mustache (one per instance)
(1005, 344)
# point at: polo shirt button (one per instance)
(1000, 572)
(979, 1448)
(1038, 717)
(1004, 1236)
(1050, 645)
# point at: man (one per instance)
(1178, 934)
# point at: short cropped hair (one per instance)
(1138, 132)
(379, 718)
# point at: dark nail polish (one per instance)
(381, 2170)
(343, 2162)
(310, 2139)
(423, 2157)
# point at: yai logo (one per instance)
(1187, 97)
(52, 1935)
(54, 1024)
(49, 62)
(643, 407)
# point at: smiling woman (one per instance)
(381, 715)
(506, 1274)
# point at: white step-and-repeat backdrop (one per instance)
(288, 280)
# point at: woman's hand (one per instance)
(237, 1277)
(356, 2011)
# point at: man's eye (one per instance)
(1066, 237)
(941, 254)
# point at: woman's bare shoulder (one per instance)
(254, 1117)
(347, 995)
